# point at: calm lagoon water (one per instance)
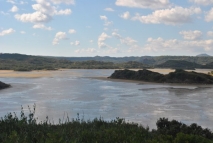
(67, 93)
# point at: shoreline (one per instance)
(25, 74)
(52, 73)
(144, 82)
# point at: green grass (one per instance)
(26, 129)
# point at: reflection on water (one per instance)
(178, 91)
(70, 92)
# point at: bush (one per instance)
(25, 129)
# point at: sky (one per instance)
(116, 28)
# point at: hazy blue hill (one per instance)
(179, 64)
(203, 55)
(15, 56)
(148, 60)
(198, 60)
(144, 59)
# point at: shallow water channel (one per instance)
(69, 92)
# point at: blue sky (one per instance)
(106, 27)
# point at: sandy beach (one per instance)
(31, 74)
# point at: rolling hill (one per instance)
(179, 64)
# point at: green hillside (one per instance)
(179, 64)
(148, 60)
(20, 62)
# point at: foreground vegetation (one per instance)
(3, 85)
(179, 76)
(25, 129)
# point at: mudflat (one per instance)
(31, 74)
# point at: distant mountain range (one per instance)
(27, 62)
(203, 55)
(179, 64)
(148, 60)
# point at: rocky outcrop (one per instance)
(3, 85)
(179, 76)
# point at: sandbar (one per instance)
(30, 74)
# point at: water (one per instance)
(70, 92)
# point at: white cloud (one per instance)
(116, 35)
(151, 4)
(23, 2)
(109, 9)
(88, 50)
(44, 7)
(128, 41)
(112, 51)
(63, 12)
(191, 35)
(161, 45)
(36, 17)
(14, 9)
(202, 2)
(209, 16)
(44, 11)
(103, 17)
(101, 40)
(59, 36)
(91, 41)
(125, 15)
(72, 31)
(41, 26)
(6, 32)
(4, 13)
(76, 43)
(22, 32)
(106, 22)
(11, 1)
(173, 16)
(63, 1)
(210, 33)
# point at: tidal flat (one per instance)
(62, 93)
